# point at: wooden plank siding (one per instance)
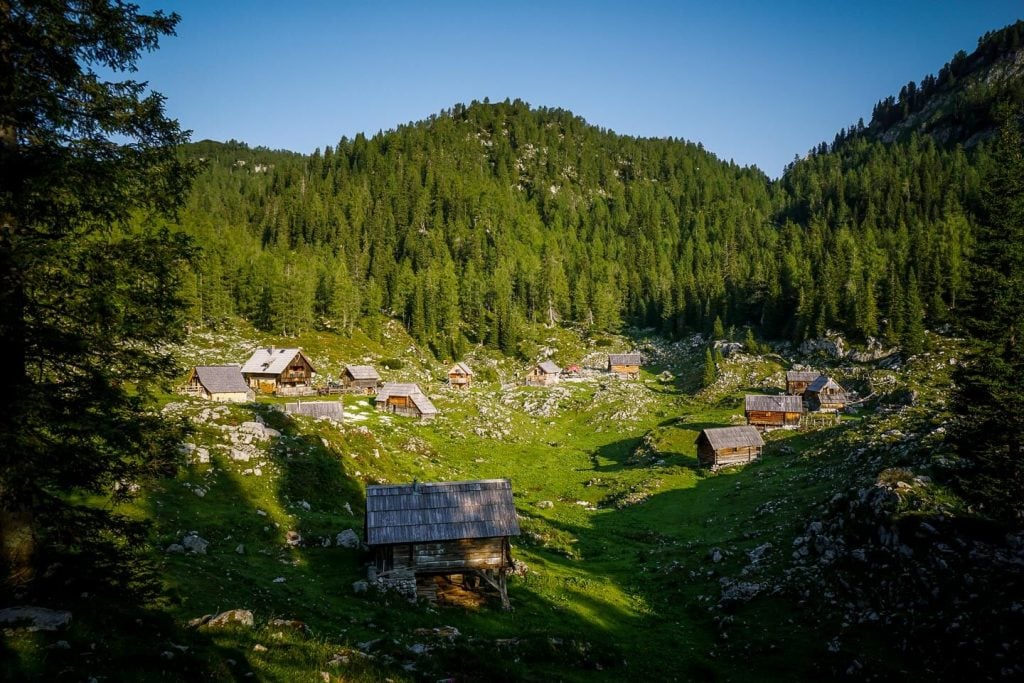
(712, 459)
(797, 381)
(445, 556)
(723, 446)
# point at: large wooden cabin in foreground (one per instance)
(424, 530)
(773, 412)
(723, 446)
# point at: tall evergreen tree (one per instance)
(989, 428)
(710, 373)
(913, 332)
(86, 295)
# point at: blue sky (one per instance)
(755, 82)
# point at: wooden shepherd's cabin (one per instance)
(544, 374)
(797, 381)
(773, 412)
(625, 365)
(360, 379)
(218, 383)
(460, 376)
(405, 399)
(457, 530)
(286, 372)
(825, 395)
(719, 447)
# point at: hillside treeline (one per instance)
(486, 217)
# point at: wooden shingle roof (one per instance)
(271, 361)
(460, 369)
(423, 404)
(439, 511)
(732, 437)
(549, 368)
(221, 379)
(826, 384)
(362, 372)
(773, 404)
(625, 359)
(397, 389)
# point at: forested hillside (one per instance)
(485, 218)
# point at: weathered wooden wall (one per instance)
(445, 557)
(708, 457)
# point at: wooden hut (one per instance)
(443, 528)
(723, 446)
(773, 412)
(405, 399)
(544, 374)
(360, 379)
(798, 380)
(281, 371)
(825, 395)
(460, 376)
(625, 365)
(218, 383)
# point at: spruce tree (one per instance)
(989, 427)
(912, 337)
(87, 294)
(710, 372)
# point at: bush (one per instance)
(393, 363)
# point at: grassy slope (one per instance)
(619, 580)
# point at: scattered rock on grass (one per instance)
(347, 539)
(34, 618)
(232, 617)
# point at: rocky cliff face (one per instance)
(961, 114)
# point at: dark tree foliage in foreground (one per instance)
(86, 295)
(989, 431)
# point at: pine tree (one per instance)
(87, 294)
(989, 427)
(710, 371)
(750, 343)
(912, 337)
(718, 330)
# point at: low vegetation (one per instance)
(632, 562)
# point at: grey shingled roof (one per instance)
(462, 369)
(439, 511)
(549, 368)
(774, 404)
(397, 389)
(823, 383)
(329, 409)
(802, 375)
(423, 404)
(271, 361)
(625, 359)
(222, 379)
(733, 437)
(362, 372)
